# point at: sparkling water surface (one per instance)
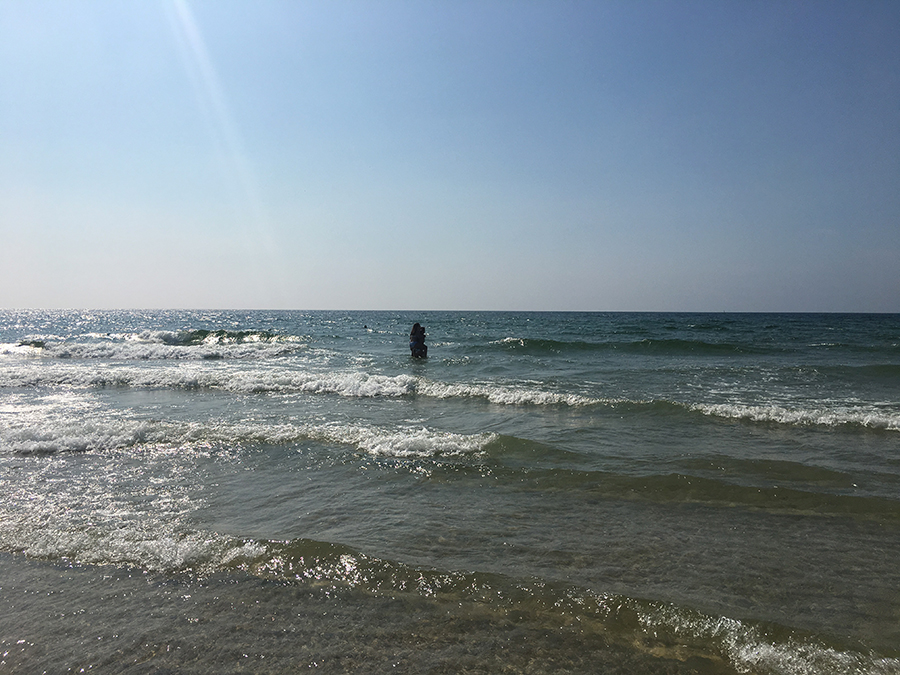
(276, 491)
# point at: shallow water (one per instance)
(267, 491)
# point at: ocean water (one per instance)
(281, 492)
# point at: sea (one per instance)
(290, 491)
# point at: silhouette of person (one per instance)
(417, 346)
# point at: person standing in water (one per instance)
(417, 346)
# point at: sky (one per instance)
(715, 155)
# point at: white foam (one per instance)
(874, 419)
(45, 428)
(194, 370)
(10, 349)
(406, 442)
(420, 442)
(218, 375)
(155, 345)
(142, 538)
(505, 395)
(145, 351)
(749, 651)
(76, 437)
(354, 384)
(509, 341)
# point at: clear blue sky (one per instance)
(462, 154)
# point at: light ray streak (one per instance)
(227, 138)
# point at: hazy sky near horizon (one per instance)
(381, 154)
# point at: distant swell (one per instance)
(653, 347)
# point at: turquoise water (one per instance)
(274, 491)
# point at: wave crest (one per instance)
(158, 345)
(47, 436)
(834, 417)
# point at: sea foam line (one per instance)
(748, 650)
(224, 376)
(58, 434)
(136, 348)
(505, 394)
(276, 379)
(835, 417)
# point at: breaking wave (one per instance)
(351, 383)
(655, 628)
(270, 378)
(799, 490)
(842, 416)
(51, 435)
(189, 345)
